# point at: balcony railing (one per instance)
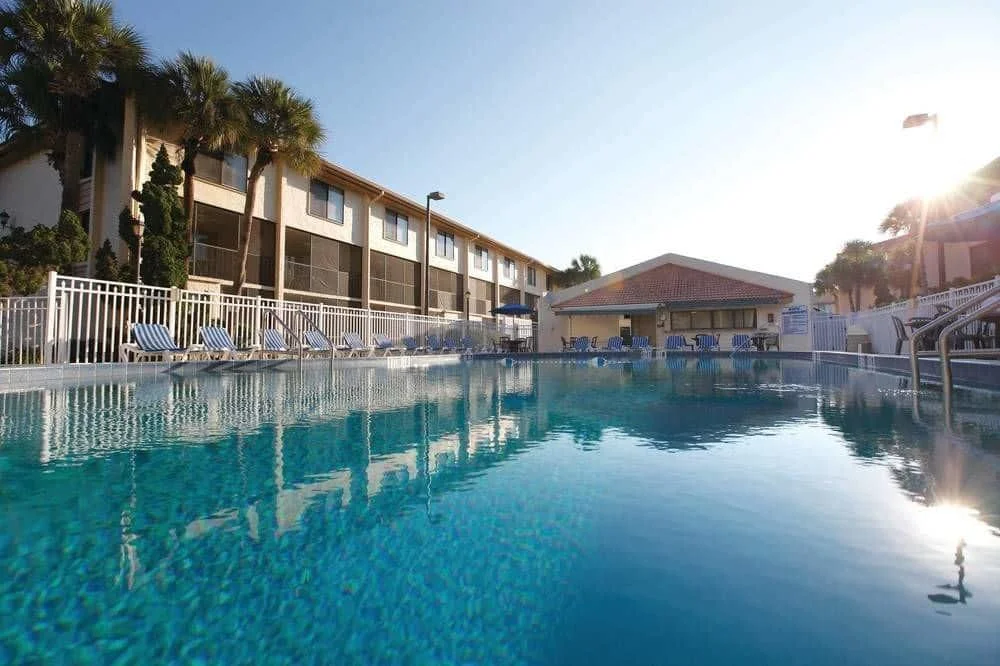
(222, 263)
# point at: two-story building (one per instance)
(334, 237)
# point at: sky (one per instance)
(759, 134)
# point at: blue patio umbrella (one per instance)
(512, 309)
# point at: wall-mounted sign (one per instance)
(795, 320)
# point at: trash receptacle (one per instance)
(858, 340)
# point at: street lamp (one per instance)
(433, 196)
(138, 228)
(468, 294)
(911, 121)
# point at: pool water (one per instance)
(670, 512)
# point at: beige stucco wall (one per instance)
(413, 250)
(295, 212)
(30, 192)
(455, 264)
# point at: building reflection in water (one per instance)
(263, 452)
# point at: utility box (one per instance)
(858, 340)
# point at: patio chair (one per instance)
(354, 346)
(411, 346)
(706, 342)
(437, 345)
(566, 346)
(153, 341)
(677, 342)
(901, 335)
(385, 345)
(742, 342)
(273, 344)
(615, 343)
(467, 345)
(640, 343)
(218, 341)
(582, 344)
(976, 332)
(452, 344)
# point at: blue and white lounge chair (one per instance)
(741, 343)
(218, 341)
(640, 343)
(706, 342)
(153, 341)
(582, 344)
(411, 345)
(467, 345)
(385, 345)
(354, 346)
(614, 343)
(273, 344)
(437, 345)
(678, 342)
(317, 343)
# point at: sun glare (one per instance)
(951, 522)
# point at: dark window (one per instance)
(713, 320)
(217, 244)
(480, 296)
(531, 301)
(510, 295)
(326, 201)
(509, 268)
(396, 227)
(224, 169)
(394, 280)
(322, 265)
(446, 289)
(531, 277)
(445, 245)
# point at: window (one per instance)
(326, 201)
(531, 277)
(531, 301)
(482, 262)
(225, 169)
(322, 265)
(713, 320)
(509, 268)
(510, 295)
(396, 227)
(446, 290)
(445, 245)
(217, 243)
(480, 297)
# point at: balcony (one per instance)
(303, 277)
(222, 263)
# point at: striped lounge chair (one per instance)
(677, 343)
(153, 341)
(218, 342)
(742, 343)
(411, 345)
(385, 345)
(640, 343)
(582, 344)
(354, 346)
(706, 342)
(614, 343)
(273, 344)
(318, 343)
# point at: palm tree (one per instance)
(581, 269)
(194, 94)
(856, 266)
(63, 65)
(278, 126)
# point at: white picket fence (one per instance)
(81, 320)
(830, 331)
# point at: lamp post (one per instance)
(911, 121)
(433, 196)
(138, 228)
(468, 294)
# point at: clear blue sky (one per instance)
(761, 136)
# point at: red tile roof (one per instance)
(670, 283)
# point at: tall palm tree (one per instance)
(194, 94)
(63, 65)
(278, 126)
(859, 264)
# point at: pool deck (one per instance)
(975, 373)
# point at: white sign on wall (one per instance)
(795, 320)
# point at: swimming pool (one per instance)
(677, 511)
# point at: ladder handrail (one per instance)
(291, 334)
(944, 351)
(937, 321)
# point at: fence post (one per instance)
(175, 297)
(368, 326)
(50, 319)
(257, 314)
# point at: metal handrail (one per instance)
(936, 322)
(312, 322)
(944, 351)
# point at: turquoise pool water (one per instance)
(675, 512)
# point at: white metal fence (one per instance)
(81, 320)
(830, 331)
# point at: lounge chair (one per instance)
(614, 343)
(317, 343)
(355, 346)
(411, 345)
(706, 342)
(582, 344)
(676, 342)
(742, 342)
(640, 343)
(437, 345)
(385, 345)
(901, 335)
(218, 341)
(153, 341)
(467, 345)
(273, 344)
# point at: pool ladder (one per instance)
(969, 311)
